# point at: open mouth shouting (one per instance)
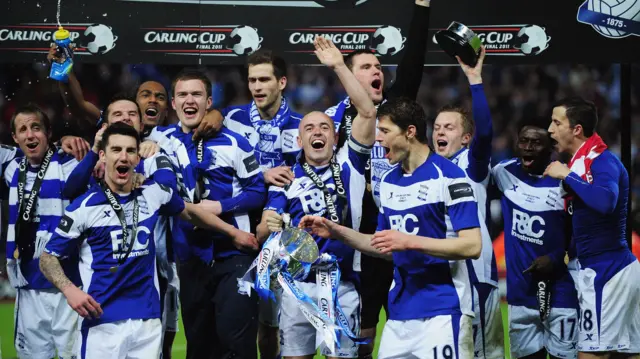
(190, 112)
(528, 160)
(122, 171)
(441, 145)
(151, 113)
(376, 85)
(318, 144)
(32, 146)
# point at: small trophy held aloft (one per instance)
(459, 40)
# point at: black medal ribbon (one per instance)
(27, 210)
(117, 208)
(199, 190)
(332, 211)
(543, 296)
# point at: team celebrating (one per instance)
(108, 242)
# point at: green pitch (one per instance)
(179, 346)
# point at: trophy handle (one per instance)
(404, 39)
(260, 40)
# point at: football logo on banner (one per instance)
(512, 40)
(614, 19)
(381, 39)
(224, 40)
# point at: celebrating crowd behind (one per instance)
(135, 192)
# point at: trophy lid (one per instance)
(459, 40)
(299, 245)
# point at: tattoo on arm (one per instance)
(52, 270)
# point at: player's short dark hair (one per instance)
(121, 96)
(405, 112)
(580, 112)
(467, 122)
(191, 74)
(31, 109)
(119, 128)
(534, 121)
(266, 56)
(348, 60)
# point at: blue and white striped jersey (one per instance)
(302, 197)
(435, 201)
(534, 226)
(157, 167)
(274, 141)
(132, 291)
(49, 209)
(379, 163)
(231, 175)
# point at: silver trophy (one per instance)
(300, 249)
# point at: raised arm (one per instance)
(364, 125)
(409, 71)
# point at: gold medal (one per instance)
(16, 254)
(113, 269)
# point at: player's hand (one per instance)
(275, 223)
(97, 140)
(53, 54)
(320, 226)
(389, 241)
(474, 74)
(557, 169)
(327, 52)
(211, 206)
(279, 176)
(245, 241)
(148, 149)
(541, 266)
(138, 180)
(75, 146)
(209, 126)
(98, 170)
(82, 303)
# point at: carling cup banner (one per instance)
(219, 32)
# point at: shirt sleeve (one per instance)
(276, 199)
(64, 240)
(460, 203)
(480, 147)
(80, 178)
(161, 171)
(357, 153)
(171, 203)
(251, 181)
(602, 194)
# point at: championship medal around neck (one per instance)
(16, 254)
(459, 40)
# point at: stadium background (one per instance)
(514, 92)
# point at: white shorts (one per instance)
(269, 311)
(170, 312)
(558, 334)
(45, 323)
(609, 308)
(298, 336)
(125, 339)
(442, 336)
(487, 324)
